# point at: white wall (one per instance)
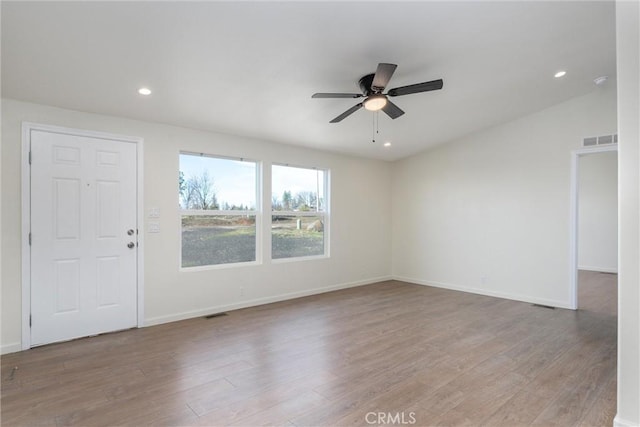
(489, 213)
(598, 212)
(360, 220)
(628, 66)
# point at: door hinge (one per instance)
(29, 320)
(29, 157)
(29, 238)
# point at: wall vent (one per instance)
(600, 140)
(544, 306)
(211, 316)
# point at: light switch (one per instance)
(153, 227)
(154, 212)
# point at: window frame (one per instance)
(256, 212)
(324, 214)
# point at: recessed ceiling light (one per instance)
(387, 144)
(560, 74)
(144, 91)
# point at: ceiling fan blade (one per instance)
(382, 76)
(392, 110)
(347, 113)
(337, 95)
(416, 88)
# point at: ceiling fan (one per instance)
(372, 86)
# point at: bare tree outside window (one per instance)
(199, 192)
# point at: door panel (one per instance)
(107, 199)
(83, 201)
(66, 208)
(107, 279)
(67, 285)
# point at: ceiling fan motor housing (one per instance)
(365, 85)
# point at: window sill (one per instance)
(218, 266)
(301, 258)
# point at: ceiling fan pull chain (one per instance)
(375, 126)
(373, 129)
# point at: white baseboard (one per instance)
(516, 297)
(11, 348)
(259, 301)
(619, 422)
(598, 269)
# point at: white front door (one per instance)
(83, 236)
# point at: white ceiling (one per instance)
(250, 68)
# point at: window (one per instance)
(299, 220)
(217, 199)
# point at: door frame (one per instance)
(573, 216)
(27, 127)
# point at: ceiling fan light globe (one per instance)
(375, 102)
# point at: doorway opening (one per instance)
(594, 225)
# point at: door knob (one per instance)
(131, 245)
(130, 232)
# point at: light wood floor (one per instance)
(434, 356)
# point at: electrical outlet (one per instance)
(241, 291)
